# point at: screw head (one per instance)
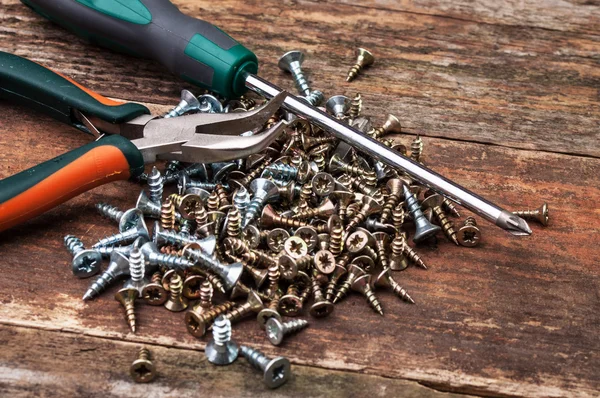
(194, 324)
(130, 219)
(544, 214)
(338, 104)
(142, 371)
(210, 104)
(189, 203)
(295, 247)
(276, 238)
(263, 184)
(265, 315)
(277, 372)
(308, 235)
(321, 309)
(221, 355)
(86, 263)
(287, 267)
(288, 58)
(290, 305)
(154, 294)
(323, 184)
(324, 261)
(366, 55)
(274, 329)
(468, 236)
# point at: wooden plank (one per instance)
(96, 367)
(573, 15)
(444, 77)
(514, 317)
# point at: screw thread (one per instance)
(398, 217)
(130, 315)
(450, 207)
(357, 219)
(526, 213)
(389, 206)
(234, 223)
(106, 251)
(382, 255)
(171, 261)
(144, 354)
(155, 186)
(355, 106)
(413, 256)
(208, 316)
(213, 202)
(299, 79)
(413, 206)
(294, 326)
(258, 169)
(156, 278)
(200, 216)
(446, 224)
(377, 132)
(253, 209)
(73, 244)
(283, 171)
(241, 198)
(175, 288)
(238, 313)
(221, 331)
(344, 288)
(369, 251)
(110, 212)
(273, 274)
(353, 72)
(175, 239)
(399, 290)
(136, 265)
(256, 358)
(470, 221)
(206, 294)
(372, 299)
(316, 290)
(99, 285)
(336, 240)
(315, 98)
(215, 281)
(222, 194)
(122, 237)
(167, 214)
(416, 149)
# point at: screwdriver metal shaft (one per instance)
(486, 209)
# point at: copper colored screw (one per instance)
(127, 299)
(416, 149)
(176, 301)
(369, 206)
(197, 323)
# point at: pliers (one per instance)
(128, 136)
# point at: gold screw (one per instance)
(364, 58)
(398, 260)
(416, 149)
(355, 107)
(362, 284)
(197, 324)
(167, 214)
(394, 187)
(541, 214)
(127, 297)
(234, 223)
(391, 126)
(176, 301)
(354, 271)
(434, 202)
(385, 279)
(410, 253)
(212, 202)
(468, 234)
(142, 369)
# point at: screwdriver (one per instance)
(204, 55)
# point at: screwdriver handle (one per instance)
(28, 83)
(190, 48)
(42, 187)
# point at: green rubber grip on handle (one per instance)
(190, 48)
(42, 187)
(28, 83)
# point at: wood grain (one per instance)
(445, 77)
(514, 317)
(97, 367)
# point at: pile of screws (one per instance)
(308, 219)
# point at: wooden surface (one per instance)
(505, 95)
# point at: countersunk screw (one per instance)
(188, 103)
(176, 301)
(541, 214)
(230, 274)
(450, 207)
(338, 106)
(142, 369)
(221, 350)
(325, 210)
(154, 257)
(384, 279)
(137, 268)
(118, 267)
(382, 241)
(468, 234)
(416, 149)
(126, 219)
(270, 311)
(85, 262)
(355, 107)
(155, 186)
(252, 304)
(354, 271)
(276, 330)
(269, 218)
(276, 371)
(154, 293)
(197, 323)
(391, 126)
(364, 58)
(127, 297)
(264, 191)
(434, 202)
(369, 206)
(398, 260)
(241, 198)
(140, 230)
(410, 253)
(424, 229)
(362, 284)
(292, 62)
(343, 199)
(321, 306)
(394, 187)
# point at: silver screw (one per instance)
(241, 199)
(230, 274)
(276, 371)
(276, 330)
(188, 103)
(154, 257)
(140, 230)
(161, 236)
(338, 106)
(292, 62)
(264, 191)
(221, 350)
(210, 104)
(315, 98)
(118, 267)
(137, 268)
(155, 186)
(85, 262)
(424, 229)
(126, 219)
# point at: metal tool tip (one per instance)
(513, 224)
